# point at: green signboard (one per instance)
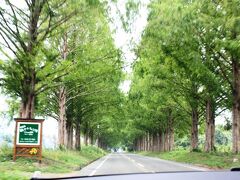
(28, 133)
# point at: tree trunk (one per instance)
(100, 142)
(166, 140)
(155, 142)
(210, 126)
(86, 140)
(91, 137)
(139, 144)
(144, 143)
(78, 137)
(136, 145)
(157, 136)
(148, 142)
(62, 118)
(170, 131)
(28, 100)
(171, 138)
(152, 142)
(86, 135)
(236, 106)
(69, 134)
(27, 107)
(194, 129)
(62, 132)
(161, 141)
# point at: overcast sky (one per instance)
(124, 40)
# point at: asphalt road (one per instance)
(121, 163)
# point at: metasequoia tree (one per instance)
(93, 79)
(185, 52)
(31, 65)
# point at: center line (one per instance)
(140, 164)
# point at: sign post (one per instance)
(28, 138)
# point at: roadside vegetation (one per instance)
(213, 160)
(54, 161)
(220, 158)
(73, 49)
(186, 73)
(185, 76)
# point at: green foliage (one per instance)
(16, 176)
(5, 153)
(223, 137)
(223, 141)
(91, 150)
(93, 98)
(32, 64)
(183, 142)
(183, 61)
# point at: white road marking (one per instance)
(195, 168)
(176, 163)
(95, 170)
(140, 164)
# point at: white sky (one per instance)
(124, 40)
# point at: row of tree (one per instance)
(59, 60)
(186, 74)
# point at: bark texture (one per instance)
(77, 137)
(194, 129)
(161, 141)
(27, 106)
(62, 132)
(69, 134)
(236, 106)
(210, 126)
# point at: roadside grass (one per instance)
(54, 161)
(212, 160)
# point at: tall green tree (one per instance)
(221, 29)
(30, 65)
(92, 84)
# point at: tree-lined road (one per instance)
(121, 163)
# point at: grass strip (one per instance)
(54, 161)
(212, 160)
